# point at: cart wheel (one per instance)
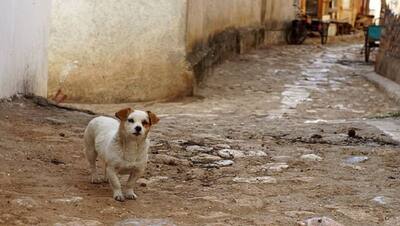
(367, 51)
(302, 38)
(295, 37)
(290, 36)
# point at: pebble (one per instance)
(303, 179)
(26, 202)
(275, 167)
(356, 159)
(380, 200)
(281, 158)
(80, 223)
(311, 157)
(232, 153)
(55, 121)
(196, 148)
(256, 153)
(139, 221)
(205, 158)
(255, 180)
(298, 213)
(353, 166)
(67, 200)
(319, 221)
(179, 141)
(222, 146)
(223, 163)
(225, 154)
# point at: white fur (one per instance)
(121, 147)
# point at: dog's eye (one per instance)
(131, 120)
(145, 122)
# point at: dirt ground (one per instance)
(265, 141)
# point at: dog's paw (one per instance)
(130, 195)
(119, 196)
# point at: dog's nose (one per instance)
(138, 128)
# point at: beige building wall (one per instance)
(388, 58)
(108, 51)
(24, 27)
(348, 10)
(104, 51)
(208, 17)
(278, 15)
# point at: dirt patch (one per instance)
(250, 152)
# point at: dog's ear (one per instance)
(153, 118)
(123, 114)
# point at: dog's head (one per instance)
(135, 123)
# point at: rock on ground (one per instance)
(255, 180)
(320, 221)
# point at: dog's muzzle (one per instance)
(138, 131)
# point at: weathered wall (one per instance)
(348, 10)
(118, 51)
(208, 17)
(23, 42)
(278, 15)
(388, 59)
(217, 29)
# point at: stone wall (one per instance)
(388, 59)
(24, 30)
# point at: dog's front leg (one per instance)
(115, 184)
(133, 177)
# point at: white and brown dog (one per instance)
(122, 145)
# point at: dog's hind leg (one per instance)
(91, 156)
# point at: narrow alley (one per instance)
(273, 137)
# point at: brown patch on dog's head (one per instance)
(123, 114)
(153, 118)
